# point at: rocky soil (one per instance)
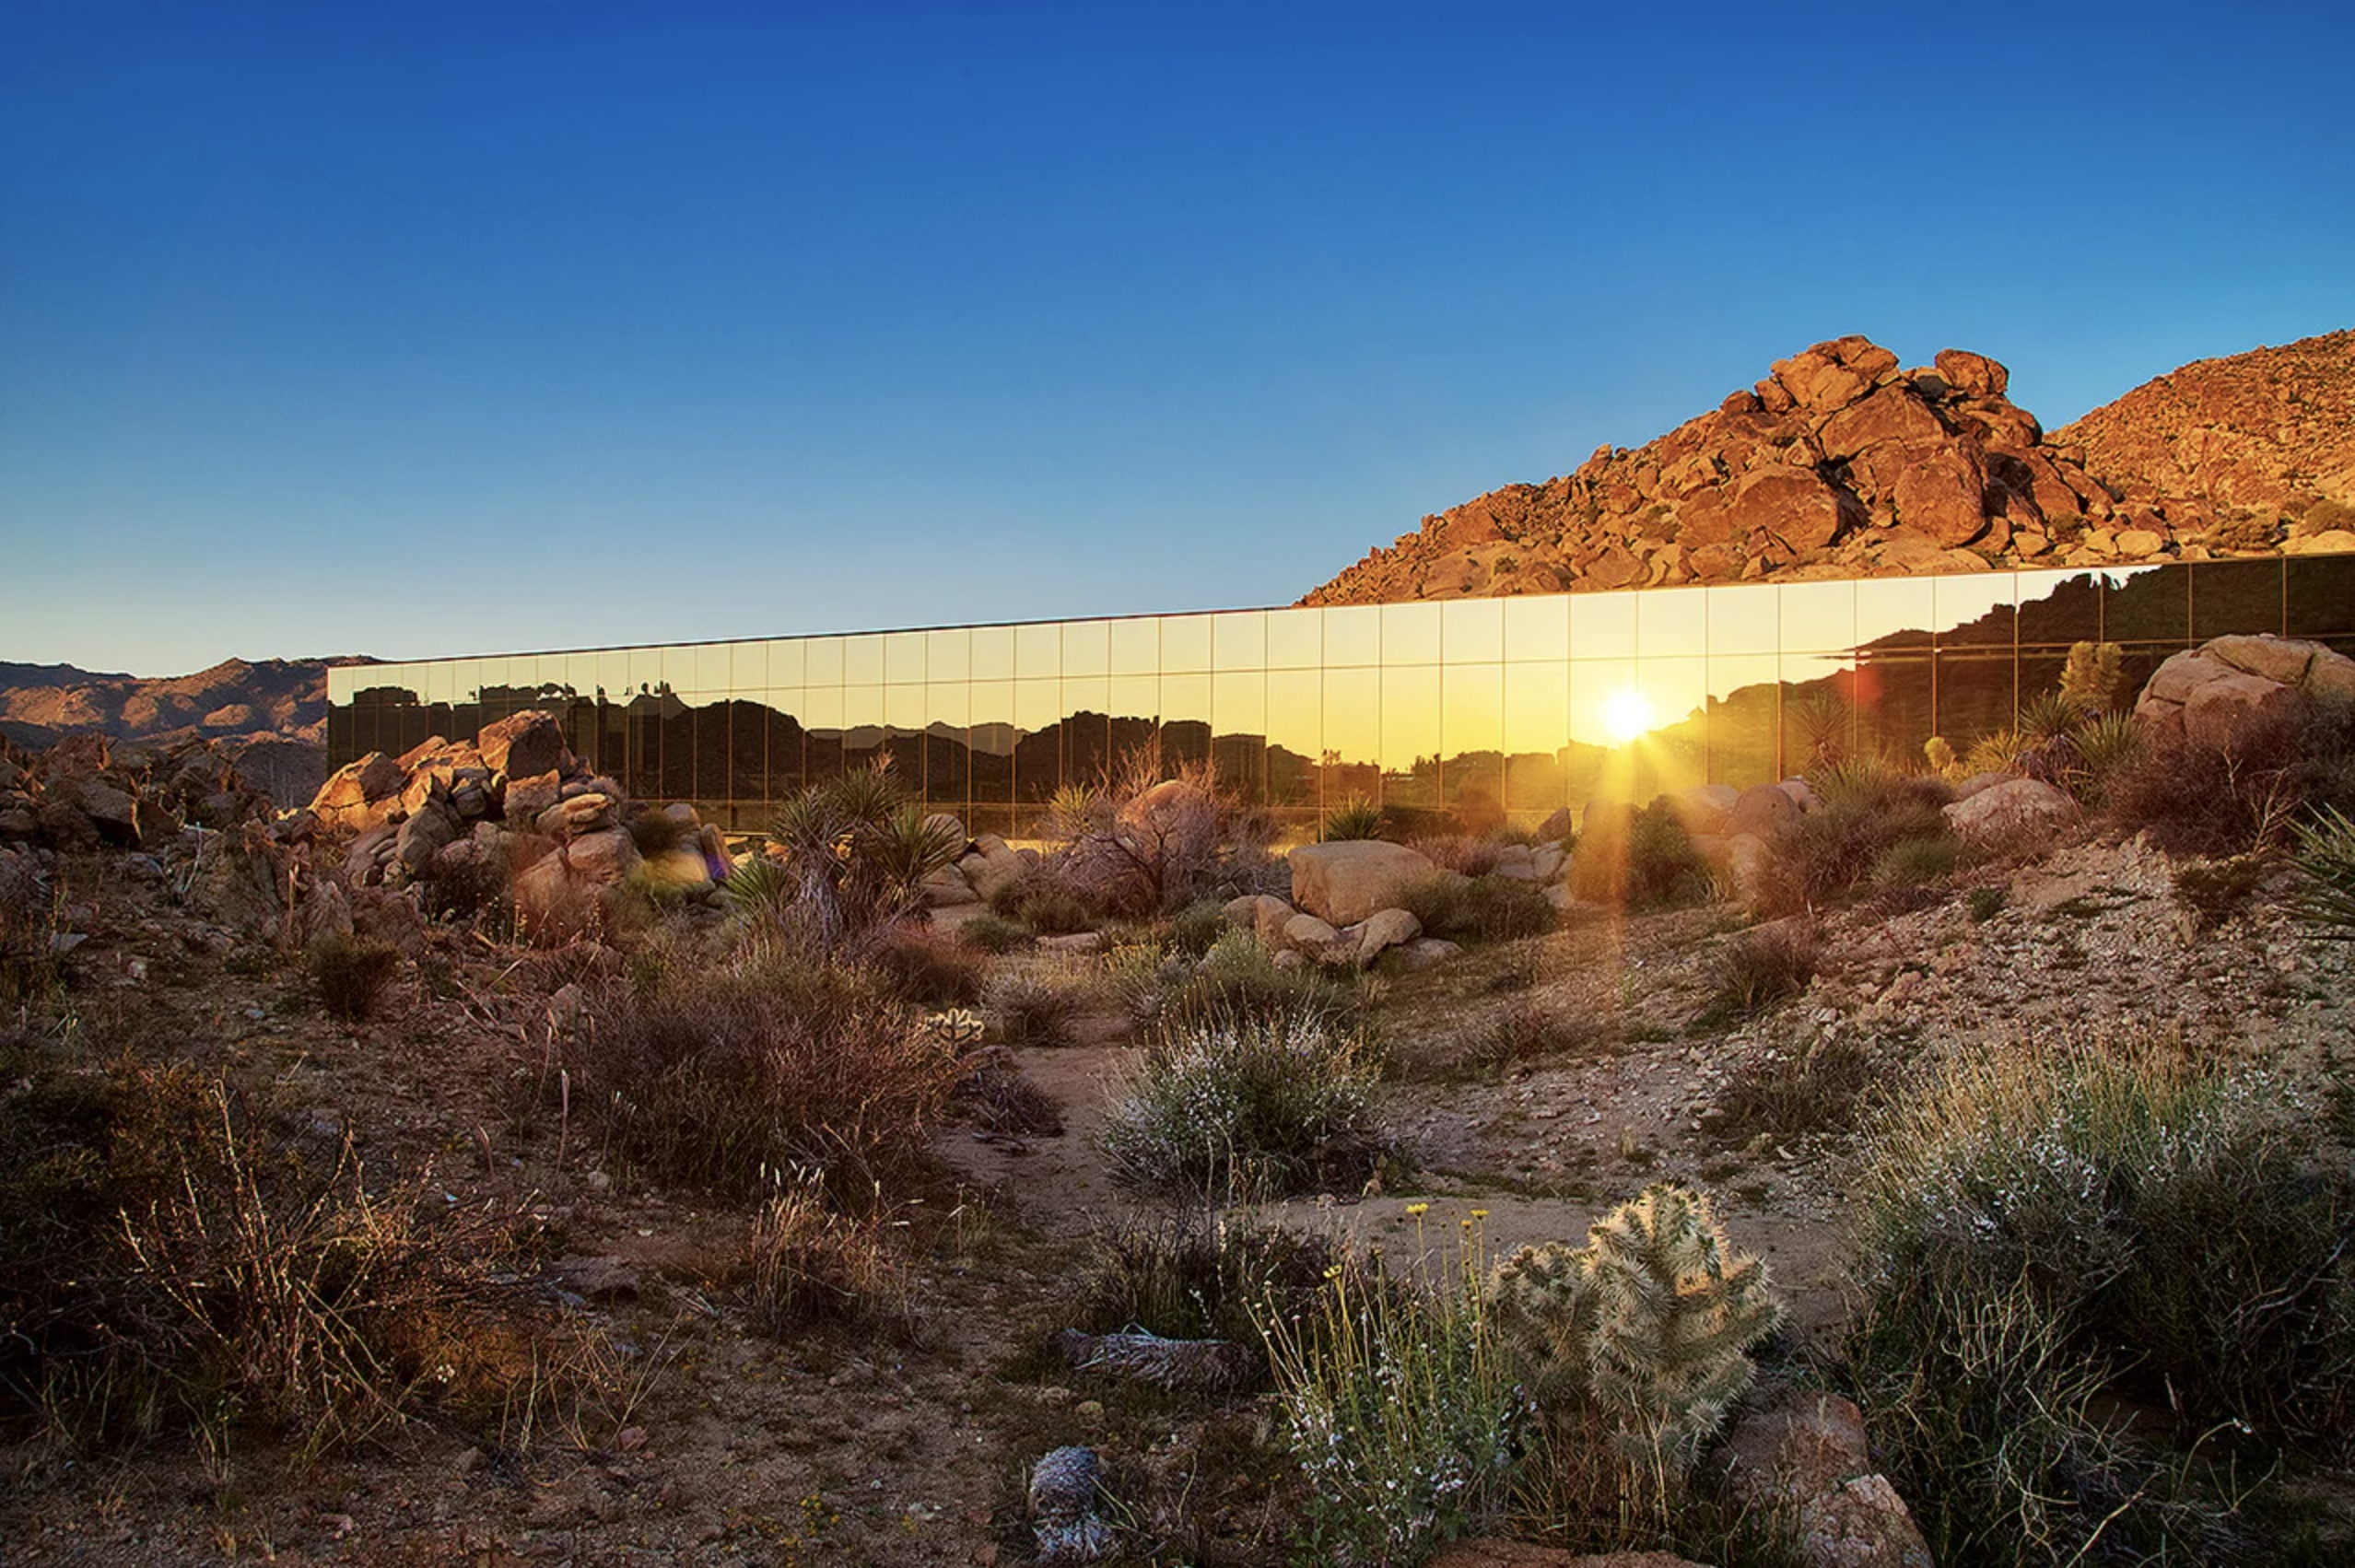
(1841, 463)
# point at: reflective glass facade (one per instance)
(1481, 710)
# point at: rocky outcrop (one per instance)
(2250, 451)
(1841, 463)
(88, 790)
(1343, 882)
(2011, 810)
(2211, 694)
(1804, 1459)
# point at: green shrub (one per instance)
(1255, 1105)
(1819, 1092)
(2215, 891)
(1916, 863)
(1197, 928)
(352, 972)
(1664, 869)
(1757, 969)
(1027, 1010)
(2093, 681)
(1356, 817)
(1194, 1273)
(2194, 798)
(1479, 908)
(1986, 903)
(2326, 864)
(656, 832)
(1237, 979)
(1463, 853)
(1821, 856)
(2050, 1234)
(1051, 912)
(1403, 1416)
(2105, 743)
(993, 933)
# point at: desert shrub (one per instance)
(657, 832)
(1999, 751)
(1152, 835)
(1986, 902)
(806, 1262)
(1663, 868)
(1355, 818)
(1757, 969)
(29, 920)
(1196, 1273)
(855, 851)
(2213, 891)
(1260, 1105)
(2093, 680)
(1235, 980)
(716, 1074)
(1028, 1010)
(1052, 911)
(165, 1265)
(927, 968)
(1821, 856)
(2198, 799)
(1775, 1094)
(1197, 928)
(998, 1098)
(1639, 1336)
(2105, 743)
(1916, 863)
(993, 933)
(351, 972)
(1458, 852)
(1404, 1417)
(1527, 1031)
(2324, 860)
(2066, 1250)
(1480, 908)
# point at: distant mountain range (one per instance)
(1841, 463)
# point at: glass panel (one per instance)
(1472, 732)
(1185, 718)
(949, 654)
(1136, 646)
(1087, 700)
(993, 653)
(1352, 730)
(1745, 719)
(1675, 756)
(863, 723)
(1295, 736)
(2230, 597)
(1239, 640)
(906, 711)
(1410, 635)
(904, 657)
(1602, 626)
(2321, 595)
(1038, 650)
(823, 655)
(1745, 620)
(1975, 696)
(1352, 636)
(1296, 639)
(992, 739)
(1818, 616)
(1537, 726)
(1472, 631)
(948, 773)
(823, 717)
(1672, 623)
(1185, 644)
(1895, 613)
(748, 667)
(863, 661)
(1086, 648)
(2058, 608)
(1894, 712)
(1409, 729)
(788, 662)
(1239, 729)
(784, 744)
(1819, 709)
(2145, 604)
(1136, 699)
(1537, 628)
(1975, 610)
(714, 672)
(1607, 707)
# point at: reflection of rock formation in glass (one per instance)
(1619, 695)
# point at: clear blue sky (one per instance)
(412, 329)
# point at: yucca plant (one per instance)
(1355, 818)
(2325, 856)
(2047, 717)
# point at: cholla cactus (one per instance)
(1647, 1322)
(1675, 1310)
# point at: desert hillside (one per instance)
(269, 716)
(1842, 463)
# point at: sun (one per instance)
(1627, 714)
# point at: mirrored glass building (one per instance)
(1477, 711)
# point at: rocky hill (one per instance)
(1840, 464)
(268, 716)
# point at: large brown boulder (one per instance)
(2018, 808)
(523, 744)
(1341, 883)
(2211, 695)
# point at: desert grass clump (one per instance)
(1051, 911)
(1916, 863)
(1402, 1411)
(2324, 860)
(1196, 929)
(927, 968)
(1862, 813)
(716, 1074)
(1470, 855)
(807, 1261)
(1478, 909)
(1198, 1272)
(993, 933)
(1784, 1097)
(2212, 892)
(2090, 1274)
(1028, 1010)
(1237, 979)
(1252, 1105)
(351, 973)
(2198, 797)
(1759, 969)
(1355, 818)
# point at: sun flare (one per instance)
(1627, 714)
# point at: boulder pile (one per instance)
(1839, 463)
(2210, 694)
(459, 818)
(88, 790)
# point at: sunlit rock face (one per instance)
(1842, 463)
